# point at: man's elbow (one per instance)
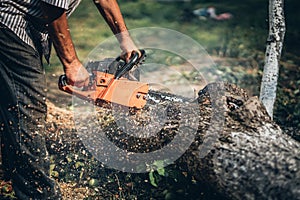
(51, 13)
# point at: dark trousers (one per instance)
(22, 119)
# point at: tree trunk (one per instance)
(238, 151)
(273, 52)
(252, 158)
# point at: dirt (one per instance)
(80, 176)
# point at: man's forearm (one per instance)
(60, 34)
(111, 13)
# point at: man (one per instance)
(24, 29)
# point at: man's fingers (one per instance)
(78, 82)
(82, 83)
(69, 81)
(127, 55)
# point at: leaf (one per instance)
(79, 164)
(52, 166)
(68, 158)
(152, 179)
(54, 174)
(158, 163)
(161, 171)
(93, 182)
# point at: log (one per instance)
(252, 158)
(237, 150)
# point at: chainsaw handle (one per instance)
(84, 94)
(64, 86)
(62, 81)
(134, 60)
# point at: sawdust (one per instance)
(61, 118)
(74, 192)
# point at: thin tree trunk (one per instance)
(273, 53)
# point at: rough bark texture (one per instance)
(252, 158)
(273, 53)
(244, 157)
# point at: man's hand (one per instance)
(77, 75)
(127, 46)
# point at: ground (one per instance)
(80, 176)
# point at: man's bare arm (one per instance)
(110, 11)
(60, 34)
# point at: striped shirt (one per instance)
(24, 17)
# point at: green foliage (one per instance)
(6, 190)
(157, 166)
(235, 38)
(241, 36)
(287, 106)
(243, 42)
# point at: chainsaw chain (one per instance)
(160, 97)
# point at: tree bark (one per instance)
(273, 53)
(252, 158)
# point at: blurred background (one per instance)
(236, 42)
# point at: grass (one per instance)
(89, 29)
(243, 37)
(247, 31)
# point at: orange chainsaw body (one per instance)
(112, 88)
(108, 89)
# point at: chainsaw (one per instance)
(116, 81)
(140, 111)
(116, 84)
